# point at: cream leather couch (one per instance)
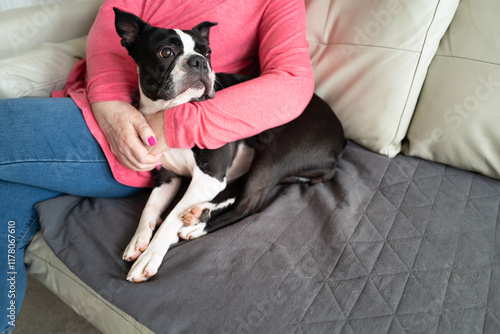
(403, 76)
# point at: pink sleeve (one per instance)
(112, 74)
(279, 95)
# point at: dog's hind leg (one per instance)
(255, 187)
(284, 156)
(196, 217)
(255, 191)
(305, 150)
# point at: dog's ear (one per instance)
(203, 29)
(129, 27)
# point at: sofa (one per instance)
(404, 239)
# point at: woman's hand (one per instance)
(129, 136)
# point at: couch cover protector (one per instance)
(398, 245)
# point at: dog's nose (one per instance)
(198, 63)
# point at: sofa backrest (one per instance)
(370, 59)
(57, 21)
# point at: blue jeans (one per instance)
(46, 150)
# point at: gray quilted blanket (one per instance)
(397, 245)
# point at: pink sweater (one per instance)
(269, 33)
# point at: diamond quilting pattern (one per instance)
(421, 257)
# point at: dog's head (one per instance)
(173, 65)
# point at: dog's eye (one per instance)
(166, 53)
(208, 53)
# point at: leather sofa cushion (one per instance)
(457, 120)
(38, 72)
(370, 59)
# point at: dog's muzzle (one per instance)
(200, 68)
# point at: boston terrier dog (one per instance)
(229, 183)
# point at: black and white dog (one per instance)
(228, 183)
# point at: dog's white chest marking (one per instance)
(179, 161)
(182, 162)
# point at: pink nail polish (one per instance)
(152, 141)
(158, 167)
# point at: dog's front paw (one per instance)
(199, 213)
(146, 266)
(192, 231)
(139, 242)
